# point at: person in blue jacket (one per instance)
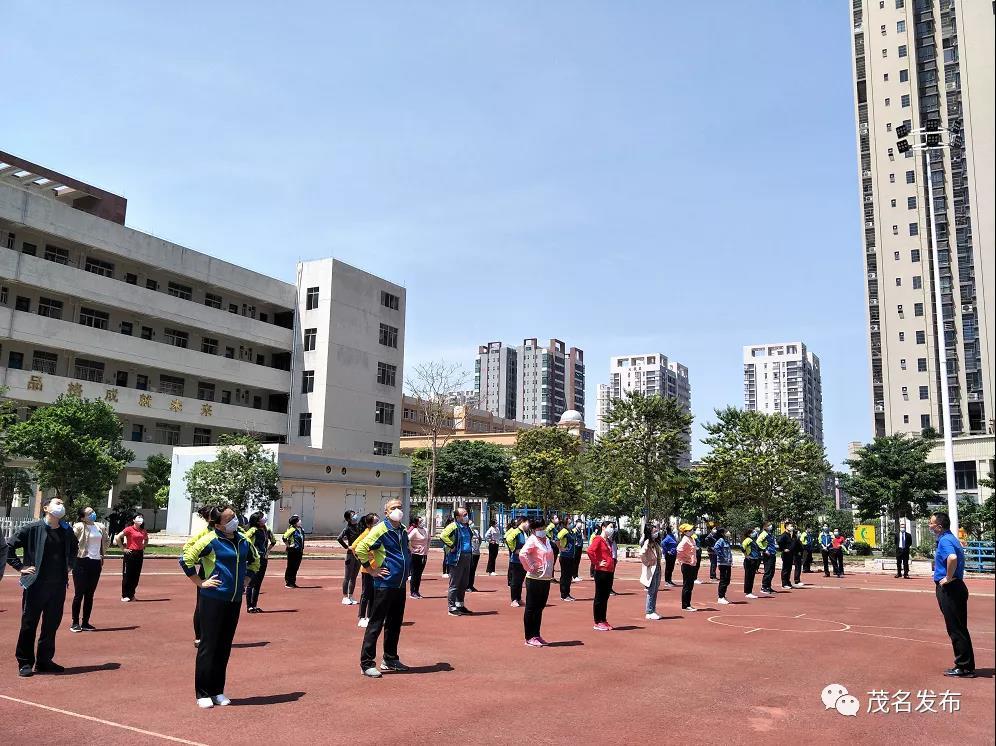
(826, 544)
(669, 545)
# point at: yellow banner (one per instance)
(865, 533)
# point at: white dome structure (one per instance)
(570, 417)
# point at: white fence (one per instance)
(9, 525)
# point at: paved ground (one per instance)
(736, 673)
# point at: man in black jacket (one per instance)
(903, 541)
(787, 546)
(49, 553)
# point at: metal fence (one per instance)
(980, 556)
(9, 525)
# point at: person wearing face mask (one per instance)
(709, 543)
(385, 554)
(493, 538)
(293, 539)
(205, 512)
(228, 560)
(346, 538)
(552, 529)
(537, 559)
(418, 541)
(650, 569)
(687, 562)
(366, 578)
(669, 548)
(263, 540)
(769, 550)
(752, 561)
(787, 546)
(826, 542)
(724, 562)
(837, 545)
(578, 532)
(458, 543)
(515, 539)
(604, 562)
(48, 553)
(475, 554)
(92, 540)
(133, 540)
(566, 538)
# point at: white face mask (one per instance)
(262, 521)
(232, 526)
(139, 521)
(57, 511)
(396, 515)
(540, 533)
(607, 532)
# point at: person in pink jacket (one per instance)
(536, 557)
(687, 560)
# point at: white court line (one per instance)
(910, 639)
(756, 629)
(800, 616)
(111, 723)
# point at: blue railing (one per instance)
(980, 556)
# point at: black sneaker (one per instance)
(25, 671)
(75, 628)
(961, 673)
(454, 611)
(50, 667)
(464, 610)
(395, 665)
(88, 627)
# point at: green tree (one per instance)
(155, 476)
(13, 480)
(546, 469)
(76, 446)
(842, 520)
(473, 469)
(243, 475)
(891, 476)
(987, 511)
(764, 461)
(970, 517)
(638, 459)
(421, 462)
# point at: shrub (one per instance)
(861, 548)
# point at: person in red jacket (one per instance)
(604, 564)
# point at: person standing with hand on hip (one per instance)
(567, 540)
(752, 561)
(293, 539)
(537, 559)
(952, 594)
(92, 540)
(493, 539)
(604, 564)
(133, 539)
(263, 540)
(458, 541)
(689, 564)
(49, 550)
(515, 539)
(724, 562)
(346, 538)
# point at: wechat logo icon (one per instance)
(836, 697)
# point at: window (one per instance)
(21, 303)
(15, 360)
(892, 178)
(389, 300)
(886, 79)
(905, 100)
(137, 433)
(901, 27)
(900, 4)
(904, 76)
(310, 339)
(885, 52)
(895, 255)
(307, 381)
(209, 345)
(49, 307)
(386, 374)
(921, 365)
(93, 318)
(899, 309)
(915, 255)
(121, 379)
(89, 370)
(176, 337)
(226, 396)
(883, 30)
(177, 290)
(899, 282)
(892, 203)
(906, 394)
(44, 362)
(230, 353)
(902, 365)
(906, 419)
(98, 267)
(888, 102)
(233, 308)
(311, 299)
(924, 392)
(389, 335)
(126, 328)
(895, 230)
(147, 333)
(383, 448)
(141, 382)
(171, 385)
(131, 279)
(902, 336)
(918, 309)
(260, 359)
(966, 476)
(210, 299)
(911, 177)
(921, 337)
(202, 436)
(902, 53)
(384, 413)
(917, 282)
(57, 255)
(205, 391)
(924, 421)
(167, 435)
(4, 293)
(911, 203)
(151, 285)
(914, 229)
(304, 424)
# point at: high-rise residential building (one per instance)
(186, 347)
(649, 374)
(549, 381)
(918, 62)
(785, 378)
(495, 372)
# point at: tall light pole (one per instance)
(929, 140)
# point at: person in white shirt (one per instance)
(493, 537)
(93, 540)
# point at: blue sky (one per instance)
(627, 177)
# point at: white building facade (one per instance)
(785, 378)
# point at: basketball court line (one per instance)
(110, 723)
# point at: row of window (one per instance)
(380, 447)
(388, 300)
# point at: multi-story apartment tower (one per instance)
(495, 372)
(785, 378)
(549, 381)
(649, 374)
(185, 346)
(920, 61)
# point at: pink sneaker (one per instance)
(542, 640)
(534, 642)
(601, 627)
(608, 627)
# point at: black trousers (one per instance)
(516, 576)
(474, 562)
(294, 557)
(556, 552)
(903, 562)
(787, 562)
(769, 571)
(797, 567)
(41, 602)
(713, 564)
(219, 619)
(577, 562)
(418, 567)
(86, 575)
(826, 561)
(750, 571)
(197, 617)
(566, 576)
(807, 561)
(837, 558)
(352, 569)
(537, 594)
(366, 596)
(688, 573)
(698, 564)
(725, 572)
(953, 600)
(387, 612)
(252, 590)
(131, 572)
(669, 568)
(603, 588)
(492, 557)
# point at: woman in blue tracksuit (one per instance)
(263, 539)
(228, 561)
(669, 546)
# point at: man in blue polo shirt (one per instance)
(952, 594)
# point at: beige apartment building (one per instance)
(915, 61)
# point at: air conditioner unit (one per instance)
(874, 327)
(967, 308)
(869, 224)
(951, 86)
(863, 128)
(866, 173)
(869, 198)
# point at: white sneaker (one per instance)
(445, 575)
(363, 622)
(698, 582)
(515, 604)
(352, 601)
(576, 580)
(372, 672)
(125, 600)
(750, 595)
(205, 703)
(345, 601)
(221, 700)
(798, 585)
(653, 616)
(690, 608)
(669, 585)
(722, 601)
(492, 574)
